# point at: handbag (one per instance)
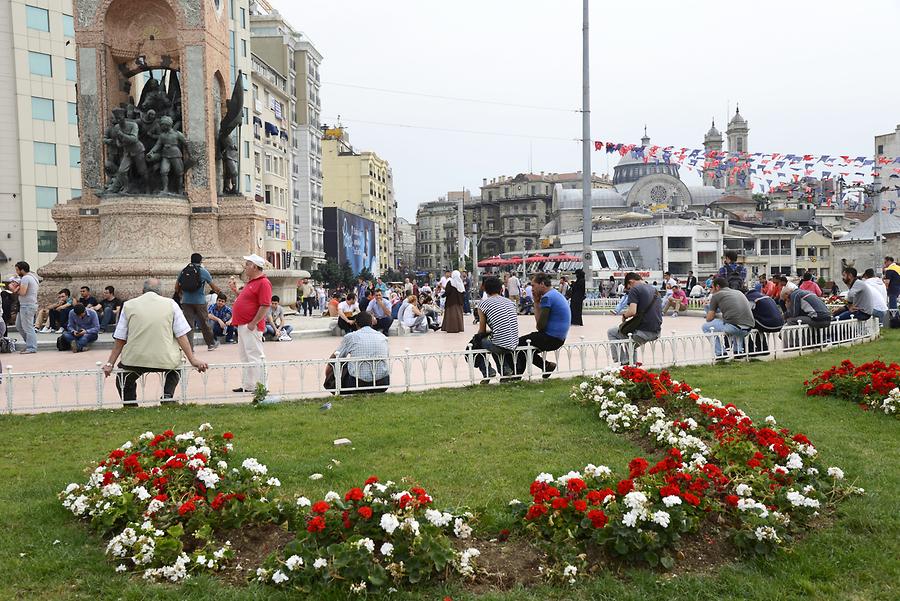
(631, 326)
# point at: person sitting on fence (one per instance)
(737, 317)
(371, 373)
(697, 291)
(58, 313)
(642, 317)
(412, 317)
(768, 317)
(148, 336)
(276, 329)
(553, 319)
(220, 318)
(860, 298)
(879, 294)
(803, 307)
(82, 329)
(348, 310)
(678, 301)
(497, 314)
(381, 311)
(732, 272)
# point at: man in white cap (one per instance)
(248, 316)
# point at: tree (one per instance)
(333, 274)
(365, 274)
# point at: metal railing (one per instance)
(610, 303)
(32, 392)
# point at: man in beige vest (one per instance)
(150, 330)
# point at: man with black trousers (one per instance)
(553, 318)
(191, 286)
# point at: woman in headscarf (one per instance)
(577, 297)
(453, 304)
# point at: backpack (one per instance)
(190, 278)
(395, 310)
(893, 318)
(7, 345)
(62, 344)
(733, 275)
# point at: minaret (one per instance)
(645, 141)
(738, 143)
(712, 141)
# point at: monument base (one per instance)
(123, 240)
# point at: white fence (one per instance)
(31, 392)
(610, 303)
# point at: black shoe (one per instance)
(239, 390)
(130, 405)
(548, 369)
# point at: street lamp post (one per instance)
(587, 229)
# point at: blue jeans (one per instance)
(623, 304)
(285, 329)
(81, 341)
(107, 319)
(229, 333)
(847, 314)
(25, 325)
(731, 330)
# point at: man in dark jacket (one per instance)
(769, 319)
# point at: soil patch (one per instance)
(252, 545)
(503, 565)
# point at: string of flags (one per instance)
(770, 172)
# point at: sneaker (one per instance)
(213, 346)
(674, 313)
(285, 338)
(45, 330)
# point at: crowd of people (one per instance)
(734, 311)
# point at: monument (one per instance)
(159, 124)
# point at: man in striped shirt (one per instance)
(499, 314)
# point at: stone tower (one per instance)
(738, 183)
(121, 235)
(712, 142)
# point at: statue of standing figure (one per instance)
(125, 136)
(168, 150)
(230, 175)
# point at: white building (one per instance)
(40, 154)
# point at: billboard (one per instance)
(351, 238)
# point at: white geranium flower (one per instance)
(389, 523)
(544, 478)
(303, 502)
(671, 500)
(278, 577)
(387, 549)
(320, 563)
(205, 426)
(293, 562)
(661, 518)
(836, 473)
(743, 490)
(331, 497)
(273, 482)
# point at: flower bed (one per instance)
(872, 385)
(765, 484)
(163, 501)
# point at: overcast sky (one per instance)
(810, 77)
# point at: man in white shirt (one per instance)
(370, 371)
(879, 294)
(150, 330)
(513, 287)
(347, 312)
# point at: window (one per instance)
(46, 197)
(268, 164)
(75, 156)
(244, 48)
(763, 247)
(37, 18)
(247, 184)
(246, 150)
(68, 26)
(46, 240)
(243, 18)
(785, 247)
(801, 252)
(39, 64)
(70, 69)
(44, 154)
(73, 113)
(41, 108)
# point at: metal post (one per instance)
(460, 226)
(587, 227)
(9, 389)
(475, 285)
(876, 221)
(406, 367)
(100, 377)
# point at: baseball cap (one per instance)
(256, 260)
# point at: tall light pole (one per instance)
(460, 225)
(876, 221)
(587, 226)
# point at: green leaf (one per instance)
(667, 561)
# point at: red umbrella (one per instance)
(535, 259)
(514, 261)
(491, 262)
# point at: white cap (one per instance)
(256, 260)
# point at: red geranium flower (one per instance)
(625, 487)
(227, 435)
(535, 511)
(576, 485)
(580, 505)
(320, 507)
(317, 524)
(371, 480)
(560, 503)
(598, 518)
(354, 494)
(365, 512)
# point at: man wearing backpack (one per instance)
(191, 285)
(733, 272)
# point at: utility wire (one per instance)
(458, 131)
(455, 98)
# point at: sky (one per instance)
(810, 78)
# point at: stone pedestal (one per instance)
(123, 240)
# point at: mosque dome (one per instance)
(630, 168)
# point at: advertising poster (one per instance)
(351, 238)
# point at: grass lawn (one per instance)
(477, 447)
